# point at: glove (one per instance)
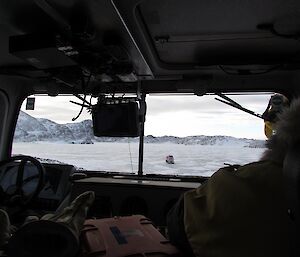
(54, 235)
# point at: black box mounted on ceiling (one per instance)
(39, 50)
(116, 119)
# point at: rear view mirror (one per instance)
(30, 103)
(116, 119)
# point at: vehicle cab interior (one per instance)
(108, 59)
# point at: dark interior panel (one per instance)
(122, 197)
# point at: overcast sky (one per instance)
(175, 115)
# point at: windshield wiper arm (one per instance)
(236, 105)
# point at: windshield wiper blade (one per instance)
(228, 99)
(236, 105)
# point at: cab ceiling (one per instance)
(173, 45)
(97, 19)
(187, 35)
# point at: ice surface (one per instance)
(202, 160)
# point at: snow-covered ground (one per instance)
(189, 159)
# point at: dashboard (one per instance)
(57, 186)
(115, 195)
(121, 196)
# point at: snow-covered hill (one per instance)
(31, 129)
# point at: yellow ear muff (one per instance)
(269, 129)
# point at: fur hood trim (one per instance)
(287, 134)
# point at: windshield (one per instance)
(184, 135)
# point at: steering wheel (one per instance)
(14, 195)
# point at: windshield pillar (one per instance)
(142, 119)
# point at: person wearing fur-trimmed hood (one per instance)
(240, 210)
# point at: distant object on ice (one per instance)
(87, 142)
(170, 159)
(84, 142)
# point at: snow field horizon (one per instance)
(195, 160)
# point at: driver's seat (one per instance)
(4, 229)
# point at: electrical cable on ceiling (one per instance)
(84, 86)
(80, 112)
